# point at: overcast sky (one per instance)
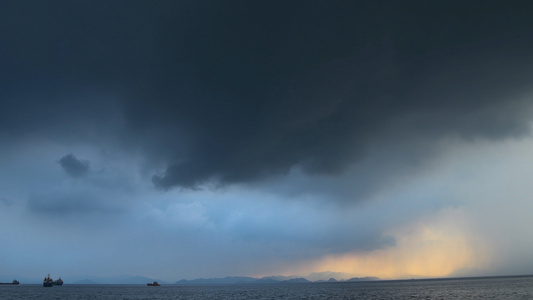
(186, 139)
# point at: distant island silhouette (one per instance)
(320, 277)
(264, 280)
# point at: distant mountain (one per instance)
(324, 276)
(363, 279)
(329, 280)
(278, 278)
(297, 280)
(266, 280)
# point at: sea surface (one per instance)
(470, 288)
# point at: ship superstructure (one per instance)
(48, 281)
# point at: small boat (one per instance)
(48, 281)
(14, 282)
(155, 283)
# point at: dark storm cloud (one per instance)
(238, 91)
(73, 166)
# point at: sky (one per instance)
(187, 139)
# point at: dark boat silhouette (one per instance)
(155, 283)
(58, 282)
(48, 281)
(14, 282)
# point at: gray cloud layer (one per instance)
(237, 92)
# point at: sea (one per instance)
(466, 288)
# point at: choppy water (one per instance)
(483, 288)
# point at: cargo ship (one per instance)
(48, 282)
(155, 283)
(58, 282)
(14, 282)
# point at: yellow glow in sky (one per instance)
(432, 247)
